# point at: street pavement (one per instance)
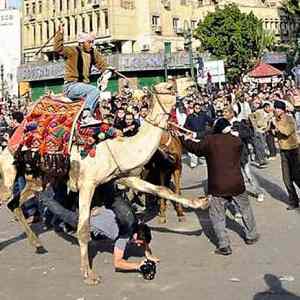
(189, 269)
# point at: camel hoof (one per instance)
(92, 279)
(162, 220)
(181, 219)
(41, 250)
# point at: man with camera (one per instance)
(115, 221)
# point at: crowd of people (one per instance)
(229, 118)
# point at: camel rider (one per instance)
(78, 64)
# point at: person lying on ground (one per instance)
(116, 221)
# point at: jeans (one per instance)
(290, 166)
(297, 115)
(90, 93)
(193, 160)
(271, 144)
(259, 147)
(19, 185)
(47, 199)
(251, 182)
(217, 214)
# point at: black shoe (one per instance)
(223, 251)
(292, 206)
(252, 241)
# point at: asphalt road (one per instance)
(189, 269)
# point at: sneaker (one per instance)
(260, 198)
(193, 166)
(89, 121)
(252, 241)
(223, 251)
(238, 215)
(271, 158)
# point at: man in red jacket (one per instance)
(222, 152)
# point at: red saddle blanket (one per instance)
(48, 127)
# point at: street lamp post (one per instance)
(188, 46)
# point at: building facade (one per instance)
(137, 31)
(10, 50)
(131, 25)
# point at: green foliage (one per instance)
(291, 7)
(236, 37)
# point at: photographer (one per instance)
(116, 221)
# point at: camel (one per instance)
(115, 159)
(160, 172)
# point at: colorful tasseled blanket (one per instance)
(47, 128)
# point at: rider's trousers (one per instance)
(90, 93)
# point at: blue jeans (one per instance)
(90, 93)
(251, 181)
(19, 185)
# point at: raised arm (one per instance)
(58, 45)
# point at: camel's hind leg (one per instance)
(14, 206)
(162, 202)
(83, 231)
(178, 207)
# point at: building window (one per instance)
(176, 24)
(54, 7)
(54, 26)
(155, 21)
(41, 32)
(47, 29)
(193, 24)
(98, 21)
(83, 23)
(27, 9)
(106, 19)
(200, 3)
(68, 4)
(34, 34)
(27, 34)
(68, 26)
(60, 5)
(40, 7)
(75, 26)
(91, 22)
(75, 3)
(183, 2)
(33, 8)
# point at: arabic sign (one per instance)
(121, 62)
(274, 58)
(213, 67)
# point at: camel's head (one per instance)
(166, 95)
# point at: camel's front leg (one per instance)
(146, 187)
(85, 197)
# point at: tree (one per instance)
(292, 7)
(237, 38)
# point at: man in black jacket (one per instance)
(199, 123)
(222, 152)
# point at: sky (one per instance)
(14, 3)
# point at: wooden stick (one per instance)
(121, 75)
(45, 44)
(180, 128)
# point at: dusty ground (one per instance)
(188, 267)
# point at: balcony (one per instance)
(156, 28)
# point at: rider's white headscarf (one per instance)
(84, 37)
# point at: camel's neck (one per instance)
(146, 141)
